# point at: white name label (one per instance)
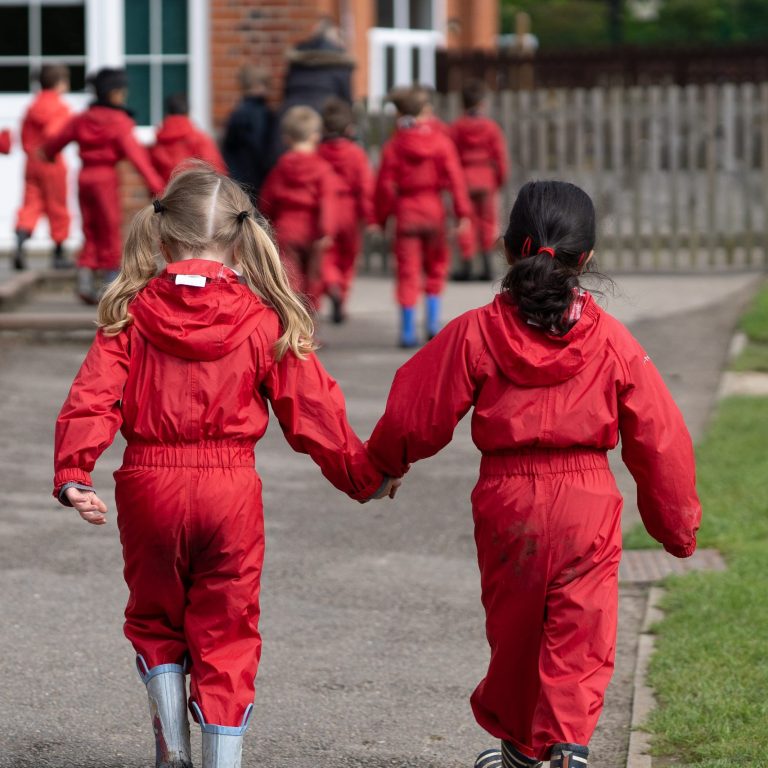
(197, 280)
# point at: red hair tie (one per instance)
(547, 249)
(583, 257)
(525, 251)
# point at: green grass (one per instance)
(755, 322)
(710, 669)
(754, 357)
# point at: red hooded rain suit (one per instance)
(105, 136)
(188, 384)
(45, 183)
(5, 142)
(417, 164)
(483, 155)
(354, 209)
(178, 139)
(299, 197)
(546, 507)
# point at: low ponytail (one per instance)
(263, 270)
(139, 266)
(550, 235)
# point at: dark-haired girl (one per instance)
(555, 382)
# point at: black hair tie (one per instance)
(242, 216)
(158, 206)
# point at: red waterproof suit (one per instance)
(299, 197)
(178, 140)
(188, 385)
(5, 142)
(483, 155)
(45, 183)
(417, 164)
(105, 136)
(354, 209)
(546, 507)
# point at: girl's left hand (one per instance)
(91, 508)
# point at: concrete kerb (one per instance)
(17, 287)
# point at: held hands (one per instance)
(91, 508)
(389, 488)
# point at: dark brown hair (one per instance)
(473, 93)
(53, 74)
(337, 116)
(409, 102)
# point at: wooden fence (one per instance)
(679, 175)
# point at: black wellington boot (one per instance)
(19, 261)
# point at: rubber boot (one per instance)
(85, 286)
(222, 745)
(59, 261)
(338, 315)
(506, 757)
(408, 338)
(167, 691)
(464, 273)
(569, 756)
(19, 260)
(433, 315)
(486, 272)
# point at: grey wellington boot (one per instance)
(167, 691)
(222, 744)
(86, 289)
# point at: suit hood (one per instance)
(302, 168)
(101, 124)
(418, 141)
(531, 357)
(47, 106)
(174, 128)
(204, 320)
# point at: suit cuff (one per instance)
(72, 478)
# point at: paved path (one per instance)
(373, 635)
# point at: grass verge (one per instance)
(754, 324)
(710, 668)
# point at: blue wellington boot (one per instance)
(408, 338)
(569, 756)
(434, 304)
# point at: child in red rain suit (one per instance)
(417, 164)
(45, 183)
(222, 331)
(483, 154)
(105, 135)
(179, 140)
(554, 382)
(355, 201)
(299, 197)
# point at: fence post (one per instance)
(673, 110)
(692, 115)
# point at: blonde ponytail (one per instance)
(264, 272)
(138, 268)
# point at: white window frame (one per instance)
(401, 14)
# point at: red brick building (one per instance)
(200, 45)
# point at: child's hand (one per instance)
(388, 489)
(91, 508)
(393, 486)
(463, 224)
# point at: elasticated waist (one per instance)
(212, 453)
(543, 461)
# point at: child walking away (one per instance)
(299, 197)
(417, 164)
(45, 183)
(354, 203)
(555, 382)
(222, 331)
(483, 155)
(179, 140)
(104, 133)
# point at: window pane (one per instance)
(174, 80)
(174, 26)
(14, 30)
(14, 79)
(138, 93)
(77, 77)
(63, 30)
(421, 14)
(385, 13)
(137, 26)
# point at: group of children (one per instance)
(190, 353)
(320, 195)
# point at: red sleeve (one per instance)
(328, 195)
(310, 407)
(657, 449)
(58, 120)
(430, 395)
(91, 416)
(208, 152)
(500, 156)
(267, 195)
(385, 191)
(55, 144)
(365, 189)
(456, 182)
(139, 156)
(5, 142)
